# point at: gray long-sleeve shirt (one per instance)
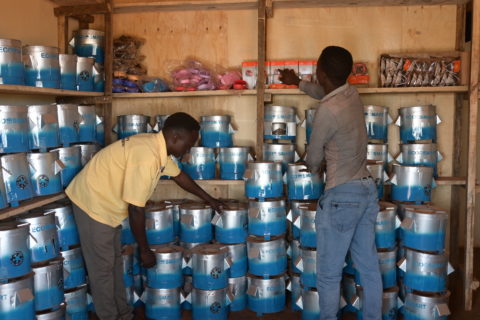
(339, 135)
(312, 89)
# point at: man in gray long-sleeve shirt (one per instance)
(347, 211)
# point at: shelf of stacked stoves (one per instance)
(423, 262)
(216, 157)
(410, 232)
(201, 260)
(411, 177)
(42, 148)
(36, 69)
(267, 209)
(42, 270)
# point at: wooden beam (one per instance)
(130, 7)
(80, 10)
(453, 89)
(361, 3)
(213, 182)
(272, 92)
(455, 198)
(269, 8)
(472, 156)
(62, 29)
(85, 100)
(83, 20)
(107, 110)
(75, 2)
(27, 90)
(262, 55)
(30, 204)
(176, 94)
(450, 181)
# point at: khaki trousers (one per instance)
(102, 252)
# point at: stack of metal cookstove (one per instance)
(42, 268)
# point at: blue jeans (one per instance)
(345, 220)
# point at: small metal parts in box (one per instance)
(359, 74)
(419, 70)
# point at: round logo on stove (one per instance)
(17, 258)
(84, 75)
(43, 181)
(216, 272)
(215, 307)
(22, 182)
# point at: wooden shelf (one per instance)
(216, 93)
(175, 94)
(76, 2)
(13, 89)
(128, 6)
(216, 182)
(451, 181)
(29, 205)
(361, 3)
(361, 90)
(441, 181)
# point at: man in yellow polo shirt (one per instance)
(116, 184)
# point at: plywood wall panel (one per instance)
(367, 32)
(219, 38)
(31, 21)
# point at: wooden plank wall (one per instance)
(33, 23)
(227, 38)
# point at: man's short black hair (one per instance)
(337, 64)
(182, 121)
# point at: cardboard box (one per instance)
(250, 73)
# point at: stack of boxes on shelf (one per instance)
(43, 274)
(42, 130)
(304, 68)
(41, 66)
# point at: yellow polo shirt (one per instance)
(127, 171)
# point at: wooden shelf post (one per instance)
(107, 108)
(262, 31)
(472, 157)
